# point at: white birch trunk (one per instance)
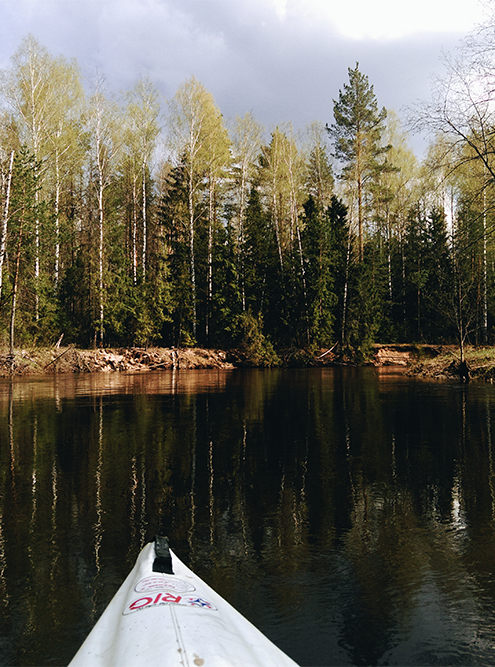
(145, 223)
(37, 260)
(485, 286)
(57, 219)
(191, 239)
(277, 230)
(134, 232)
(211, 215)
(242, 213)
(346, 283)
(100, 253)
(14, 290)
(5, 221)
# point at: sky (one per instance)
(283, 60)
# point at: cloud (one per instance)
(285, 60)
(392, 19)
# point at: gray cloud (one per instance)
(247, 57)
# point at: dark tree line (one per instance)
(229, 238)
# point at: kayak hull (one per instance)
(174, 619)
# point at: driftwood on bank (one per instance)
(57, 358)
(70, 360)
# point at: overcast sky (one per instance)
(284, 60)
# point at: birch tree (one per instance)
(276, 184)
(44, 95)
(64, 143)
(319, 172)
(5, 218)
(190, 114)
(217, 160)
(29, 90)
(398, 191)
(105, 144)
(142, 129)
(247, 140)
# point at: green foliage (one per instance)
(226, 303)
(342, 259)
(365, 306)
(428, 278)
(173, 217)
(26, 219)
(255, 348)
(358, 123)
(320, 273)
(357, 131)
(231, 242)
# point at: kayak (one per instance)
(164, 614)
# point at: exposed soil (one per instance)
(72, 360)
(394, 354)
(424, 361)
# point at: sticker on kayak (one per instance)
(157, 583)
(148, 601)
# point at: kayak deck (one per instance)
(172, 617)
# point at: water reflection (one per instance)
(71, 386)
(349, 514)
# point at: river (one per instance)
(348, 513)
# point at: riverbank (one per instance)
(445, 365)
(75, 360)
(36, 361)
(425, 361)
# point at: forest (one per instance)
(132, 221)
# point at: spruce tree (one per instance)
(317, 244)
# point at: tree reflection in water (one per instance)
(348, 514)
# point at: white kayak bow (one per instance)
(171, 617)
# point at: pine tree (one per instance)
(357, 131)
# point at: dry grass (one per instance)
(480, 361)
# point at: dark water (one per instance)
(349, 514)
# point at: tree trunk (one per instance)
(14, 294)
(37, 260)
(145, 223)
(211, 216)
(134, 232)
(191, 242)
(240, 251)
(360, 200)
(303, 278)
(277, 230)
(485, 286)
(346, 283)
(57, 219)
(5, 221)
(100, 252)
